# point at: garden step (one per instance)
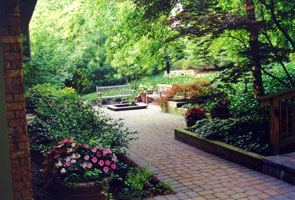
(280, 166)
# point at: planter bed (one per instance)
(125, 106)
(228, 152)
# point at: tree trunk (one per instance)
(253, 29)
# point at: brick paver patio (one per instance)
(194, 174)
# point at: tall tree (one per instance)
(207, 17)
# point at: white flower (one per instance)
(73, 156)
(63, 170)
(69, 150)
(78, 155)
(84, 165)
(58, 164)
(68, 159)
(73, 144)
(73, 161)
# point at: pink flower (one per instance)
(68, 163)
(107, 162)
(69, 140)
(86, 157)
(113, 166)
(101, 163)
(114, 160)
(89, 165)
(98, 155)
(94, 159)
(94, 150)
(105, 169)
(105, 152)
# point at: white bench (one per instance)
(113, 92)
(160, 91)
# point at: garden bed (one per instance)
(151, 186)
(126, 106)
(228, 152)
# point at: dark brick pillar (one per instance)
(15, 104)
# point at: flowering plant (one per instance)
(195, 113)
(73, 163)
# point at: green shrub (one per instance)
(91, 97)
(76, 120)
(34, 94)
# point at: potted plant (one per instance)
(194, 114)
(220, 109)
(144, 90)
(79, 171)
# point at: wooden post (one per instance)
(274, 125)
(287, 117)
(293, 116)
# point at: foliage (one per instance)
(189, 90)
(77, 120)
(135, 48)
(220, 109)
(134, 182)
(249, 132)
(76, 54)
(74, 163)
(34, 95)
(91, 97)
(195, 113)
(152, 81)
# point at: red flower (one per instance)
(195, 113)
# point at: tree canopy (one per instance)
(95, 42)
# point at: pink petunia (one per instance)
(101, 163)
(94, 159)
(98, 155)
(86, 157)
(89, 165)
(114, 160)
(105, 152)
(113, 166)
(68, 163)
(107, 162)
(105, 169)
(94, 150)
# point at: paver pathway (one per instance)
(193, 173)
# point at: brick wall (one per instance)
(15, 104)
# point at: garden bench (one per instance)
(113, 92)
(160, 91)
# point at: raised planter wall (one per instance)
(120, 107)
(173, 107)
(228, 152)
